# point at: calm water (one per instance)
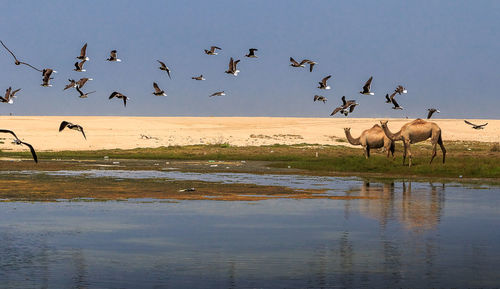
(417, 235)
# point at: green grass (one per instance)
(466, 159)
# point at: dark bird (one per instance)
(83, 95)
(158, 91)
(80, 83)
(366, 87)
(112, 56)
(346, 107)
(311, 64)
(69, 125)
(232, 67)
(251, 53)
(218, 93)
(396, 105)
(476, 126)
(46, 73)
(72, 83)
(431, 111)
(388, 98)
(322, 83)
(320, 98)
(400, 89)
(16, 61)
(83, 53)
(296, 64)
(119, 95)
(19, 142)
(79, 66)
(9, 95)
(165, 68)
(212, 50)
(198, 77)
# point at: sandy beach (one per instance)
(110, 132)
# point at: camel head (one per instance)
(383, 123)
(347, 129)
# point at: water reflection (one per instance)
(404, 237)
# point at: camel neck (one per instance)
(350, 139)
(390, 135)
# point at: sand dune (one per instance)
(109, 132)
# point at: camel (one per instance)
(371, 138)
(414, 132)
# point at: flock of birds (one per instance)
(345, 108)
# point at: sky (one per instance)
(446, 53)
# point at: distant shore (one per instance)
(123, 132)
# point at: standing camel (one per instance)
(414, 132)
(371, 138)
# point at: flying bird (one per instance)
(198, 77)
(9, 95)
(296, 64)
(232, 67)
(83, 95)
(251, 53)
(16, 61)
(431, 111)
(218, 93)
(320, 98)
(396, 105)
(69, 125)
(46, 73)
(346, 107)
(112, 56)
(400, 89)
(119, 95)
(388, 98)
(366, 87)
(19, 142)
(83, 53)
(72, 83)
(476, 126)
(212, 50)
(311, 64)
(164, 67)
(79, 66)
(158, 91)
(322, 83)
(80, 83)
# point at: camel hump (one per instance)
(375, 125)
(419, 121)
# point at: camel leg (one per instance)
(365, 151)
(404, 152)
(392, 148)
(440, 142)
(368, 151)
(408, 151)
(434, 146)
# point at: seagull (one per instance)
(83, 51)
(119, 95)
(46, 73)
(218, 93)
(349, 104)
(320, 98)
(322, 83)
(164, 67)
(9, 96)
(16, 61)
(251, 53)
(158, 91)
(72, 83)
(69, 125)
(296, 64)
(198, 77)
(396, 105)
(112, 56)
(19, 142)
(83, 95)
(212, 50)
(79, 66)
(232, 67)
(400, 89)
(366, 87)
(80, 83)
(431, 111)
(476, 126)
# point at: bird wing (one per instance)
(394, 102)
(162, 64)
(231, 61)
(33, 153)
(311, 64)
(168, 72)
(336, 110)
(13, 94)
(316, 97)
(80, 65)
(305, 61)
(235, 63)
(343, 100)
(79, 91)
(212, 48)
(430, 113)
(481, 125)
(7, 92)
(367, 85)
(157, 89)
(293, 61)
(124, 100)
(325, 79)
(81, 129)
(351, 108)
(27, 64)
(113, 54)
(470, 123)
(83, 50)
(77, 66)
(82, 81)
(9, 51)
(114, 94)
(387, 97)
(63, 125)
(8, 131)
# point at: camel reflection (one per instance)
(419, 209)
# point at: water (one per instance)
(416, 235)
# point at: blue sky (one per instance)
(445, 52)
